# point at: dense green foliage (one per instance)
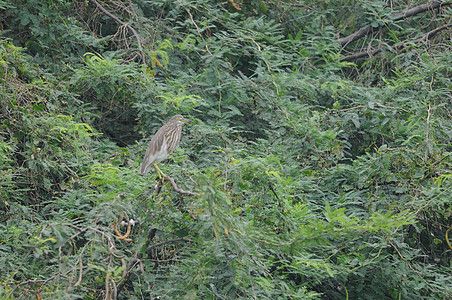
(321, 175)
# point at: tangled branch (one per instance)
(137, 261)
(126, 25)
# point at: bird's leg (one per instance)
(159, 172)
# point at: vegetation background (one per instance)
(320, 148)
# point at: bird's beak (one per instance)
(185, 120)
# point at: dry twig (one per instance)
(129, 226)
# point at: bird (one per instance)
(162, 144)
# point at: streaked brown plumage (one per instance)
(164, 142)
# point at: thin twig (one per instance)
(351, 108)
(427, 131)
(280, 203)
(197, 29)
(43, 281)
(129, 270)
(440, 160)
(375, 104)
(241, 39)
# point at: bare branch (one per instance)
(398, 16)
(399, 46)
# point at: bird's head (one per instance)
(179, 119)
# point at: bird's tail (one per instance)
(143, 169)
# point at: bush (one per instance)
(318, 171)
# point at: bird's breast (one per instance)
(162, 153)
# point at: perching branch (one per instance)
(398, 16)
(175, 187)
(127, 25)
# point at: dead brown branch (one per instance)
(127, 272)
(129, 226)
(396, 17)
(398, 46)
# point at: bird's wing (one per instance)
(152, 151)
